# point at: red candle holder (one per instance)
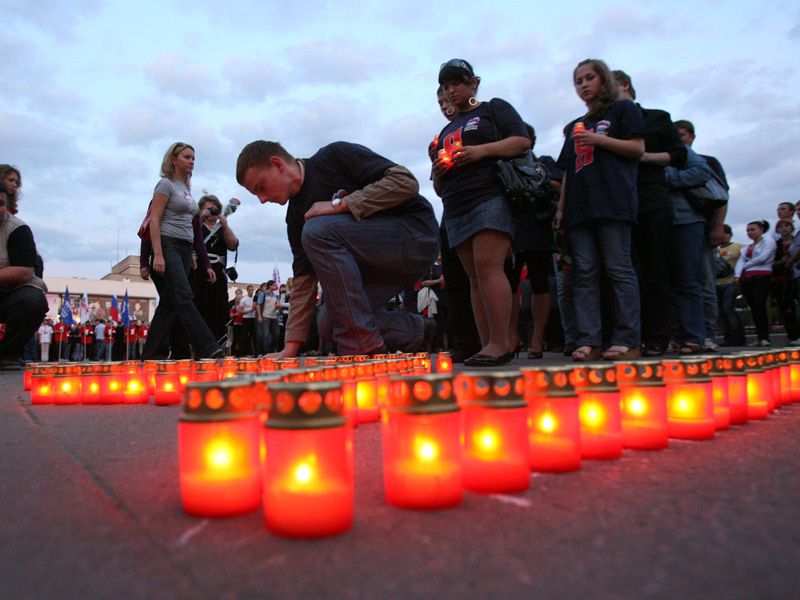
(167, 388)
(794, 375)
(27, 375)
(366, 393)
(643, 397)
(266, 364)
(284, 364)
(690, 408)
(67, 384)
(720, 392)
(421, 363)
(135, 391)
(444, 362)
(185, 372)
(42, 391)
(219, 450)
(599, 412)
(495, 431)
(785, 376)
(91, 392)
(421, 433)
(772, 367)
(759, 387)
(227, 367)
(554, 442)
(308, 475)
(737, 389)
(380, 371)
(206, 370)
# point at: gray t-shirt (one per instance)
(181, 207)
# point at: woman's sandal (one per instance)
(688, 348)
(585, 354)
(621, 353)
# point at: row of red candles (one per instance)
(285, 442)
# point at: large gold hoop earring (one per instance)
(473, 101)
(449, 110)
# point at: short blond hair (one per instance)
(167, 168)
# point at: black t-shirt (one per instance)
(660, 135)
(341, 166)
(216, 245)
(602, 184)
(21, 248)
(465, 187)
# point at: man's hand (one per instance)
(716, 237)
(144, 272)
(212, 277)
(319, 209)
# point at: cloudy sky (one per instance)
(95, 91)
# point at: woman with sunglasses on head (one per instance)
(477, 217)
(172, 234)
(598, 207)
(212, 298)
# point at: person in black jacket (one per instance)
(663, 147)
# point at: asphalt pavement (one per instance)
(90, 508)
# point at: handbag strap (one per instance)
(236, 257)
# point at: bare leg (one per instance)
(540, 308)
(483, 257)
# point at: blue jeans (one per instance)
(100, 350)
(361, 266)
(604, 247)
(709, 281)
(566, 304)
(731, 321)
(686, 277)
(176, 303)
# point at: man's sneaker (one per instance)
(759, 343)
(709, 345)
(794, 342)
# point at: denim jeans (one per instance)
(686, 276)
(709, 282)
(22, 310)
(604, 247)
(566, 304)
(731, 321)
(361, 266)
(100, 350)
(176, 303)
(756, 291)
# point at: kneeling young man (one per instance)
(358, 225)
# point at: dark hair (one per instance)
(531, 133)
(684, 124)
(789, 204)
(11, 199)
(257, 154)
(623, 79)
(457, 69)
(764, 225)
(270, 282)
(727, 229)
(608, 86)
(789, 221)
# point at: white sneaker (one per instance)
(795, 342)
(709, 345)
(764, 343)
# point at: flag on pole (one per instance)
(66, 310)
(124, 313)
(84, 308)
(276, 274)
(113, 312)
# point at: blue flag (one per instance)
(114, 310)
(124, 313)
(66, 310)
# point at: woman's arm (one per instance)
(763, 254)
(632, 148)
(156, 212)
(506, 148)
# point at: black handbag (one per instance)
(231, 272)
(709, 196)
(526, 183)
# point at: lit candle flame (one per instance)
(636, 406)
(425, 449)
(219, 455)
(548, 423)
(592, 414)
(487, 439)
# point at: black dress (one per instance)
(212, 299)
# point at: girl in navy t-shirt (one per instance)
(598, 208)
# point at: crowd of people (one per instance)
(96, 339)
(619, 243)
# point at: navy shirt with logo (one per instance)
(349, 167)
(465, 187)
(601, 185)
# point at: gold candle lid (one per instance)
(422, 394)
(490, 389)
(316, 405)
(219, 401)
(690, 370)
(595, 377)
(640, 373)
(552, 382)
